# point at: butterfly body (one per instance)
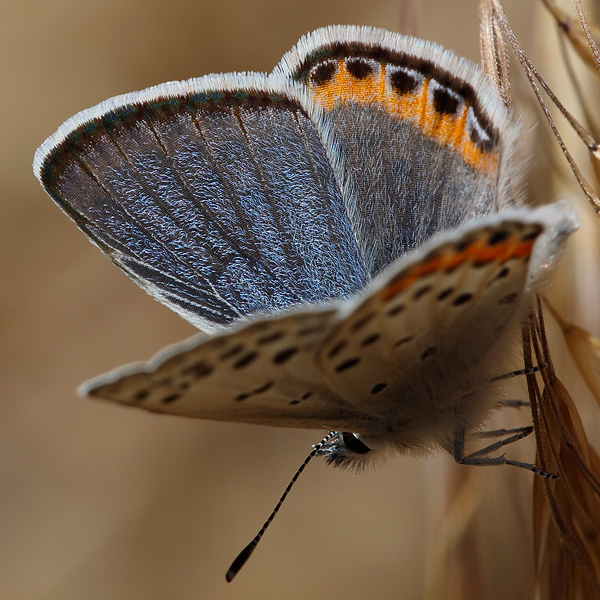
(349, 230)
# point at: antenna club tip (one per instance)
(230, 575)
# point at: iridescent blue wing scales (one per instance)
(215, 195)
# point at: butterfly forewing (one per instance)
(215, 195)
(264, 372)
(422, 335)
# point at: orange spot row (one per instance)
(478, 253)
(448, 130)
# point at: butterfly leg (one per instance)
(481, 458)
(500, 432)
(519, 372)
(513, 403)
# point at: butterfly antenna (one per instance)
(246, 553)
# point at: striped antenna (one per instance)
(245, 554)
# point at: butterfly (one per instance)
(349, 232)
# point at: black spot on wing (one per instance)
(503, 273)
(531, 235)
(371, 339)
(444, 102)
(347, 364)
(421, 292)
(284, 355)
(198, 370)
(170, 398)
(231, 352)
(462, 299)
(395, 310)
(358, 68)
(403, 82)
(245, 360)
(323, 73)
(498, 237)
(263, 388)
(358, 325)
(378, 387)
(403, 341)
(269, 338)
(445, 293)
(428, 352)
(337, 348)
(257, 391)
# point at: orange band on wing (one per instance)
(374, 89)
(479, 252)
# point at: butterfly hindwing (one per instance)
(215, 195)
(422, 140)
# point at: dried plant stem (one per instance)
(567, 510)
(533, 76)
(493, 51)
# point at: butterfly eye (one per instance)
(354, 444)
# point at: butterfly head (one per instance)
(350, 450)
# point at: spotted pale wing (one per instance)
(214, 195)
(422, 141)
(422, 337)
(263, 372)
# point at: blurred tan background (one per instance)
(97, 501)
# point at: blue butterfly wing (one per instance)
(215, 195)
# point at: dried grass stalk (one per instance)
(566, 511)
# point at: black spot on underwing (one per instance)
(358, 325)
(371, 339)
(421, 292)
(231, 352)
(428, 352)
(445, 293)
(198, 370)
(403, 341)
(269, 338)
(462, 299)
(284, 355)
(335, 350)
(347, 364)
(503, 273)
(170, 398)
(498, 237)
(378, 387)
(395, 310)
(245, 360)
